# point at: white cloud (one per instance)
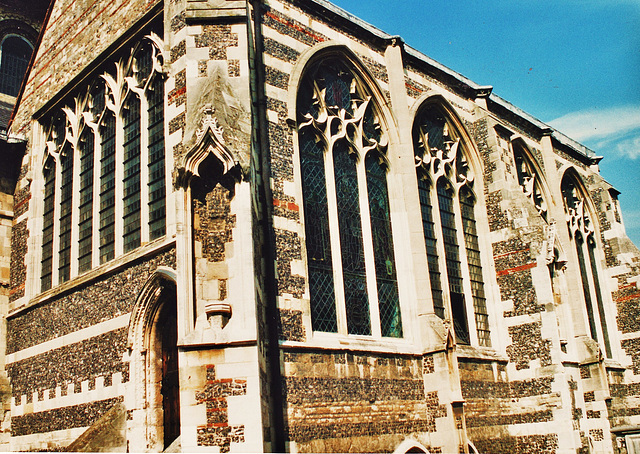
(595, 124)
(611, 132)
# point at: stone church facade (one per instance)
(246, 226)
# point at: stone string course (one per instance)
(103, 300)
(82, 415)
(98, 356)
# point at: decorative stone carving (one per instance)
(577, 216)
(530, 183)
(449, 162)
(333, 124)
(209, 140)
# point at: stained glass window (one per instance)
(339, 132)
(321, 286)
(442, 167)
(351, 247)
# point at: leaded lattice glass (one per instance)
(585, 286)
(131, 181)
(452, 259)
(85, 220)
(591, 246)
(428, 227)
(47, 221)
(386, 277)
(157, 185)
(339, 128)
(66, 198)
(321, 285)
(107, 187)
(351, 242)
(467, 202)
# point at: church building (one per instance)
(267, 226)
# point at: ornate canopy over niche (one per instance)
(209, 141)
(438, 150)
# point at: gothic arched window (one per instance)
(15, 54)
(353, 284)
(447, 202)
(582, 233)
(104, 177)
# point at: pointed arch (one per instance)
(583, 232)
(409, 445)
(343, 130)
(153, 356)
(332, 49)
(209, 142)
(447, 161)
(467, 148)
(531, 177)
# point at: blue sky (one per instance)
(574, 64)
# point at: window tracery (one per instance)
(346, 205)
(447, 202)
(105, 166)
(582, 232)
(529, 181)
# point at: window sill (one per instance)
(346, 343)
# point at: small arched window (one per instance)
(350, 256)
(447, 202)
(582, 234)
(15, 54)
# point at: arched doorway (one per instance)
(153, 341)
(167, 340)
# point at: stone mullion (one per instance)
(334, 236)
(367, 238)
(75, 209)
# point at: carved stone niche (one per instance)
(215, 9)
(209, 173)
